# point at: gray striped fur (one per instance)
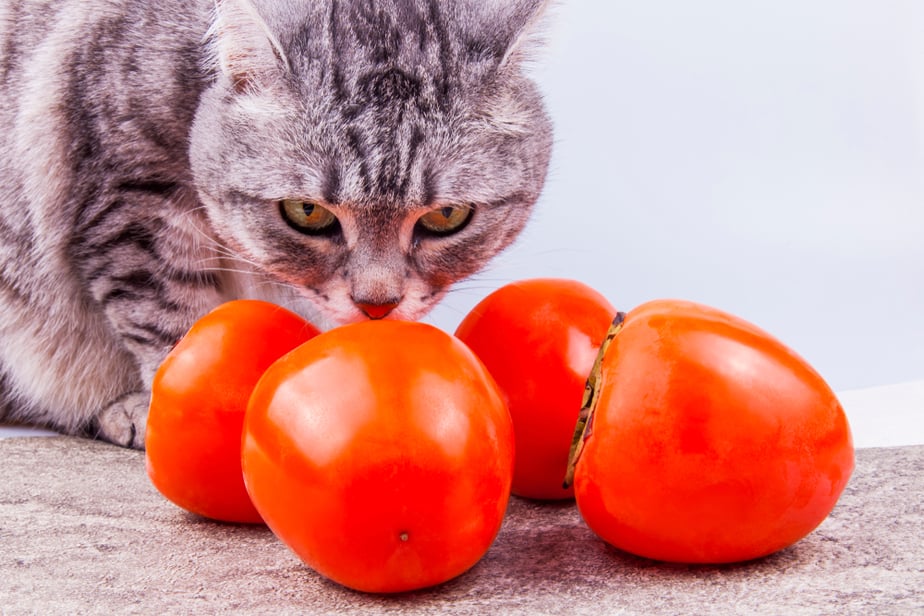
(145, 146)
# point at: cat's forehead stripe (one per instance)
(379, 58)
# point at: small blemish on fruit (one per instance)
(404, 536)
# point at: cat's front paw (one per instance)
(122, 422)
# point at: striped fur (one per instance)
(145, 148)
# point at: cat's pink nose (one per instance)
(376, 311)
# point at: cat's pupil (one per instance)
(446, 212)
(308, 208)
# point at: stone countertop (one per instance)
(83, 531)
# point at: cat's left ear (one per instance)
(245, 48)
(513, 27)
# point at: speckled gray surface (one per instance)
(83, 532)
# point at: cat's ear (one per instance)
(245, 48)
(509, 29)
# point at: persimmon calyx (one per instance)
(584, 427)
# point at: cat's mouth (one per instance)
(376, 311)
(402, 310)
(412, 307)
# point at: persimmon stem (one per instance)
(592, 388)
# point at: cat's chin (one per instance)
(358, 316)
(326, 312)
(335, 307)
(329, 317)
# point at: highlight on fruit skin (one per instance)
(705, 439)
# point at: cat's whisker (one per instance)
(227, 270)
(449, 307)
(222, 252)
(483, 283)
(524, 260)
(261, 280)
(228, 257)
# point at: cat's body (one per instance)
(343, 158)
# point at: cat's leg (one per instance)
(59, 362)
(6, 397)
(145, 260)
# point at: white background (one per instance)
(766, 158)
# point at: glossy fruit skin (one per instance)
(198, 399)
(711, 441)
(539, 338)
(381, 453)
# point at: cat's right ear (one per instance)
(244, 47)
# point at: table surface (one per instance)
(83, 531)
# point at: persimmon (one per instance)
(706, 440)
(382, 454)
(539, 338)
(198, 399)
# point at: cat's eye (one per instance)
(445, 220)
(309, 217)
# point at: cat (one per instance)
(348, 159)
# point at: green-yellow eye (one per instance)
(308, 217)
(445, 220)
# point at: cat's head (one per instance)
(371, 153)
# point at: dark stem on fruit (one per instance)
(592, 388)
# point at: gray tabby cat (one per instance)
(349, 159)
